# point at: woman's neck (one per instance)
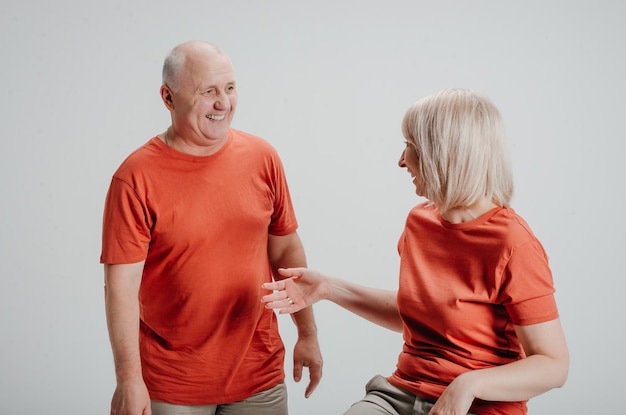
(468, 213)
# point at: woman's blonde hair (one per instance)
(461, 149)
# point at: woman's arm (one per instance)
(303, 287)
(545, 367)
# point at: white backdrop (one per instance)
(327, 82)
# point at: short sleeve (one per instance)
(125, 226)
(283, 221)
(527, 290)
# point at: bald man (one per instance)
(195, 221)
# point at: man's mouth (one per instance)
(215, 117)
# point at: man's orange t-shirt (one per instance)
(201, 224)
(462, 289)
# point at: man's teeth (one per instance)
(215, 117)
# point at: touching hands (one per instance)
(301, 288)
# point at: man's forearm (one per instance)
(122, 313)
(287, 252)
(305, 322)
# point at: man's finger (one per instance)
(297, 371)
(315, 375)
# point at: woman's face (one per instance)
(410, 161)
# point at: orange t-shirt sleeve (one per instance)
(528, 289)
(126, 228)
(283, 220)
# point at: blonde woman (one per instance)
(475, 301)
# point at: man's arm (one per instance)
(287, 251)
(121, 291)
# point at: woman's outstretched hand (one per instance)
(301, 288)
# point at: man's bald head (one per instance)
(184, 55)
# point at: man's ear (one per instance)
(166, 96)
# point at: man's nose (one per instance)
(222, 102)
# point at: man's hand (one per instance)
(131, 398)
(307, 353)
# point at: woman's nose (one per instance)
(401, 162)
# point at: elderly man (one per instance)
(195, 221)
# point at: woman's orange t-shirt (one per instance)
(462, 289)
(201, 224)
